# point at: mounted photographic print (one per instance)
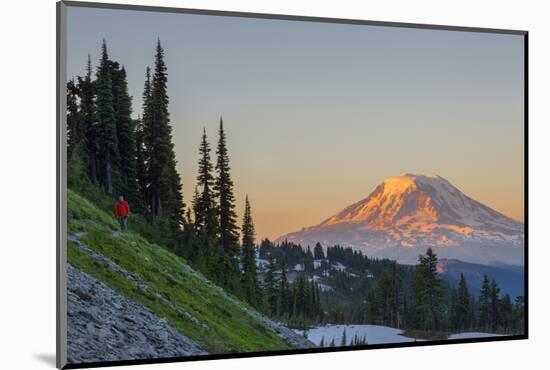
(235, 184)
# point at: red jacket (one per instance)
(122, 208)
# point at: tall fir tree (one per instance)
(108, 155)
(87, 95)
(300, 296)
(427, 294)
(484, 320)
(141, 167)
(462, 308)
(283, 304)
(126, 132)
(494, 306)
(506, 314)
(389, 296)
(145, 132)
(208, 254)
(205, 206)
(270, 285)
(250, 287)
(164, 190)
(166, 199)
(228, 229)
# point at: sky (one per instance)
(318, 114)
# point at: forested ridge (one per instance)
(110, 153)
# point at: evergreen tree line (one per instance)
(110, 151)
(429, 304)
(294, 254)
(297, 303)
(344, 274)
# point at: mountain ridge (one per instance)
(414, 212)
(510, 278)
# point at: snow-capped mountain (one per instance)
(406, 214)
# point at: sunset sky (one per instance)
(318, 114)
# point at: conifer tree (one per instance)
(145, 133)
(75, 132)
(372, 310)
(250, 285)
(206, 223)
(87, 95)
(228, 230)
(141, 167)
(126, 132)
(300, 295)
(506, 314)
(462, 309)
(284, 292)
(318, 252)
(484, 305)
(344, 340)
(76, 143)
(494, 315)
(108, 155)
(389, 296)
(519, 315)
(308, 260)
(308, 301)
(427, 293)
(165, 200)
(270, 285)
(164, 183)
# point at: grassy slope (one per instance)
(229, 328)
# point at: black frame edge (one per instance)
(291, 352)
(526, 180)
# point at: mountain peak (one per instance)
(410, 210)
(404, 196)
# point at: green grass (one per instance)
(229, 328)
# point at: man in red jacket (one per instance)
(122, 211)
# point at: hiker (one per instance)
(122, 211)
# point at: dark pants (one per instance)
(123, 221)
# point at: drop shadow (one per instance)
(47, 358)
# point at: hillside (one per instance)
(154, 289)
